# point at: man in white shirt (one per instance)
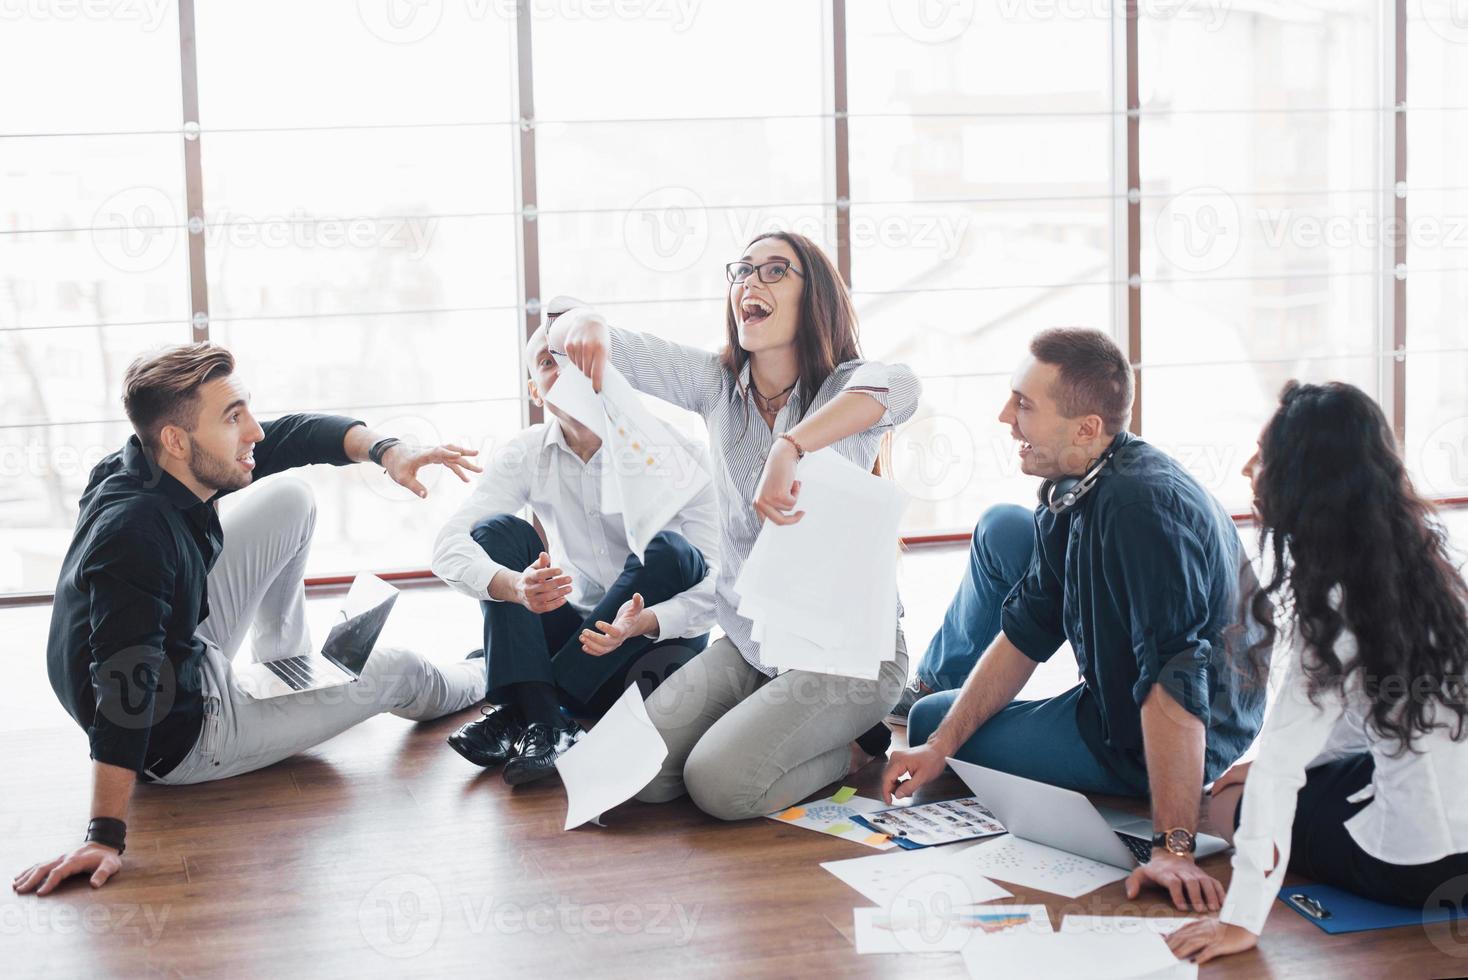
(570, 623)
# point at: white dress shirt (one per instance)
(538, 468)
(1419, 799)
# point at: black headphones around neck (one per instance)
(1062, 495)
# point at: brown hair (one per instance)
(827, 335)
(1095, 378)
(163, 388)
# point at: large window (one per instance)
(360, 238)
(981, 211)
(663, 145)
(1437, 245)
(389, 189)
(1261, 193)
(93, 260)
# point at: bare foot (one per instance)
(859, 759)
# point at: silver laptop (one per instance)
(1065, 819)
(344, 654)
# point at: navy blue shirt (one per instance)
(123, 654)
(1142, 578)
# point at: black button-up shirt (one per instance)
(1143, 578)
(123, 654)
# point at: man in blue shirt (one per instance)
(1136, 565)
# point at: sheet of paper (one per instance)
(935, 878)
(1162, 925)
(791, 652)
(833, 816)
(843, 532)
(613, 761)
(649, 473)
(655, 472)
(1064, 956)
(572, 393)
(945, 931)
(822, 594)
(1032, 865)
(931, 824)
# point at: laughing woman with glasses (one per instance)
(742, 741)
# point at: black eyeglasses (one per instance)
(772, 271)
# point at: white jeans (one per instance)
(259, 581)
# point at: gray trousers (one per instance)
(743, 745)
(259, 582)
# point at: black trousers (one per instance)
(521, 646)
(1323, 850)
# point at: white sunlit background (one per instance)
(380, 215)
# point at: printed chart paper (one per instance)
(929, 877)
(941, 930)
(1162, 925)
(1032, 865)
(833, 816)
(932, 824)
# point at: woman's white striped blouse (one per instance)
(739, 440)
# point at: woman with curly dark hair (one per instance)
(1361, 779)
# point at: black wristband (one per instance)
(380, 447)
(108, 831)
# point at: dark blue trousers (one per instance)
(521, 646)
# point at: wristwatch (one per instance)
(1177, 840)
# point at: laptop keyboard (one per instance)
(295, 671)
(1141, 849)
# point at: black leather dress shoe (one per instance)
(490, 740)
(535, 756)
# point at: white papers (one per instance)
(1063, 956)
(1133, 925)
(650, 473)
(612, 762)
(1032, 865)
(942, 930)
(1162, 925)
(931, 878)
(931, 824)
(833, 816)
(822, 593)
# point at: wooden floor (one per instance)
(383, 851)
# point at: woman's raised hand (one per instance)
(584, 336)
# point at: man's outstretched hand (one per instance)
(402, 462)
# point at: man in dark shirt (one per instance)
(1136, 565)
(152, 604)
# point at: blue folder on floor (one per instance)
(1338, 911)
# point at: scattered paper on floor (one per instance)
(613, 762)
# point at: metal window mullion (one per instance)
(527, 253)
(1127, 184)
(842, 138)
(1397, 407)
(193, 171)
